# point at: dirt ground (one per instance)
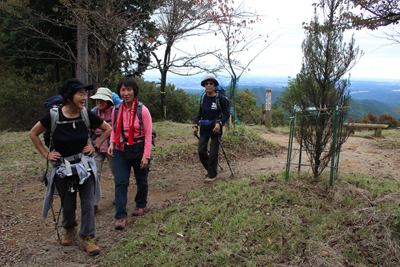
(29, 240)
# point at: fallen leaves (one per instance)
(325, 253)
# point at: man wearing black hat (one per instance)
(213, 114)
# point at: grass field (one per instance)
(264, 221)
(251, 221)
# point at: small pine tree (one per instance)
(326, 59)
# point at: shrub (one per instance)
(22, 95)
(179, 103)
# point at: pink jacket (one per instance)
(146, 129)
(106, 115)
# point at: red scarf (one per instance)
(132, 116)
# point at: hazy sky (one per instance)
(283, 58)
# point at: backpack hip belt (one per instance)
(67, 161)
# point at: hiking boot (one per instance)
(69, 236)
(88, 244)
(120, 223)
(138, 211)
(210, 180)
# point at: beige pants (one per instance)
(99, 158)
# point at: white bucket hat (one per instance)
(103, 94)
(210, 78)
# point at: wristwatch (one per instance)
(95, 147)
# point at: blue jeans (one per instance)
(122, 174)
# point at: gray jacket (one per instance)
(52, 190)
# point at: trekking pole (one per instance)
(56, 221)
(219, 140)
(209, 153)
(44, 180)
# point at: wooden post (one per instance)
(378, 132)
(268, 108)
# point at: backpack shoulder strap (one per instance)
(218, 99)
(202, 99)
(85, 117)
(54, 115)
(139, 112)
(139, 115)
(116, 110)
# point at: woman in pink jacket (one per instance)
(130, 145)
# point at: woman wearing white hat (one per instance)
(104, 107)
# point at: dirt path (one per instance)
(29, 240)
(359, 155)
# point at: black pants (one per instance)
(209, 161)
(68, 202)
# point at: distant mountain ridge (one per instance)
(386, 91)
(363, 107)
(376, 96)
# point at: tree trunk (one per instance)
(162, 91)
(102, 58)
(83, 54)
(56, 72)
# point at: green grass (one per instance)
(170, 129)
(252, 221)
(239, 142)
(284, 130)
(386, 133)
(19, 159)
(263, 221)
(388, 144)
(392, 133)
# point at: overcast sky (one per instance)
(283, 57)
(380, 59)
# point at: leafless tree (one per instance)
(178, 20)
(236, 29)
(374, 14)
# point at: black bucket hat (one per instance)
(72, 84)
(210, 78)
